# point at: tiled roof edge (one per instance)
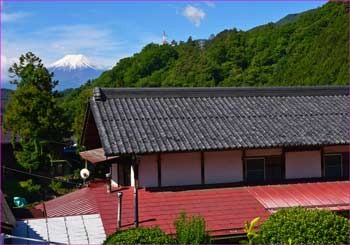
(103, 93)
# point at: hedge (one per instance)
(140, 235)
(303, 226)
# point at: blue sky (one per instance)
(107, 31)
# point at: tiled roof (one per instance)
(224, 209)
(196, 119)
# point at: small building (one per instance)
(206, 136)
(228, 154)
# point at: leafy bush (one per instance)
(302, 226)
(29, 186)
(140, 235)
(59, 189)
(191, 230)
(249, 228)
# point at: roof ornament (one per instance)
(98, 94)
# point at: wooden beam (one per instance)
(243, 167)
(323, 175)
(159, 169)
(202, 168)
(283, 164)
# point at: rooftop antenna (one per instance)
(164, 38)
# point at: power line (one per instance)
(6, 236)
(39, 176)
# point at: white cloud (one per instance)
(193, 14)
(210, 4)
(11, 17)
(6, 62)
(53, 43)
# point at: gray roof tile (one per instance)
(141, 121)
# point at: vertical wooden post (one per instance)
(283, 163)
(323, 175)
(135, 166)
(202, 169)
(159, 169)
(243, 166)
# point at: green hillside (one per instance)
(305, 49)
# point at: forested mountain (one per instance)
(305, 49)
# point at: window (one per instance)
(332, 165)
(336, 165)
(255, 169)
(273, 167)
(264, 169)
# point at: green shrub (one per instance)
(249, 228)
(191, 230)
(29, 186)
(302, 226)
(140, 235)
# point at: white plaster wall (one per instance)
(263, 152)
(148, 171)
(305, 164)
(223, 167)
(181, 169)
(336, 149)
(115, 175)
(132, 178)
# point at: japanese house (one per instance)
(228, 154)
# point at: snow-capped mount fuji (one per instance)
(73, 70)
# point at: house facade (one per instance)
(227, 154)
(213, 136)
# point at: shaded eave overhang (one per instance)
(289, 147)
(97, 156)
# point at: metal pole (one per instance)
(136, 204)
(109, 184)
(135, 166)
(120, 196)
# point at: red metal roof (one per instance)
(79, 202)
(225, 210)
(330, 195)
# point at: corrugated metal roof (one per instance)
(332, 195)
(224, 209)
(82, 229)
(79, 202)
(145, 121)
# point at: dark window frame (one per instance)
(341, 164)
(246, 159)
(283, 171)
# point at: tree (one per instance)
(33, 112)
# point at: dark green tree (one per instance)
(33, 112)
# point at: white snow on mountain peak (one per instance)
(72, 62)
